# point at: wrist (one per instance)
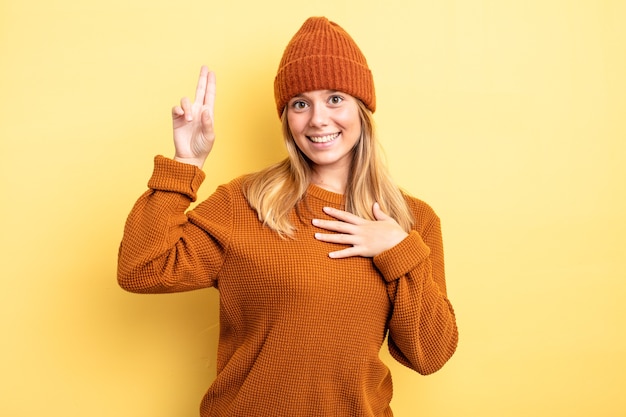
(199, 162)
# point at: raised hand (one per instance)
(193, 122)
(366, 238)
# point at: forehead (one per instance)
(319, 94)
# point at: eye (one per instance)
(299, 105)
(335, 99)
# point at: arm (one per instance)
(164, 249)
(161, 250)
(422, 329)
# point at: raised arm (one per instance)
(161, 250)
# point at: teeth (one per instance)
(323, 139)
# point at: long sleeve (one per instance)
(422, 329)
(163, 249)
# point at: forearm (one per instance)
(422, 329)
(153, 255)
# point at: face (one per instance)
(326, 126)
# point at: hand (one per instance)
(366, 238)
(193, 122)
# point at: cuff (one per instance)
(402, 258)
(177, 177)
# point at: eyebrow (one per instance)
(325, 91)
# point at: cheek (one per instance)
(294, 121)
(350, 116)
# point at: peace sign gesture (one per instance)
(193, 122)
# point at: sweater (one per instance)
(300, 332)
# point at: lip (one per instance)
(323, 139)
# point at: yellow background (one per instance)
(508, 117)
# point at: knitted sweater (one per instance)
(300, 332)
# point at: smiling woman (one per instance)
(326, 127)
(318, 259)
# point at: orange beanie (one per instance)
(323, 56)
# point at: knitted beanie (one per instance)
(323, 56)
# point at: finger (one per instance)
(207, 123)
(343, 215)
(185, 104)
(339, 238)
(335, 226)
(209, 95)
(379, 214)
(344, 253)
(202, 84)
(177, 112)
(206, 116)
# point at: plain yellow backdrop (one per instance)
(508, 117)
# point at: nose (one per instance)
(319, 115)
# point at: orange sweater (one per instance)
(300, 333)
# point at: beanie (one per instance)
(323, 56)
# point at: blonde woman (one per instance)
(318, 259)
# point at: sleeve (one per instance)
(422, 327)
(163, 250)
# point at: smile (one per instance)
(324, 139)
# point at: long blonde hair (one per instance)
(275, 191)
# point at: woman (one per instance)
(317, 259)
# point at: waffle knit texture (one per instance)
(300, 333)
(323, 56)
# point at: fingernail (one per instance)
(315, 222)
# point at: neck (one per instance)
(330, 180)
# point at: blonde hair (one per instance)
(275, 191)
